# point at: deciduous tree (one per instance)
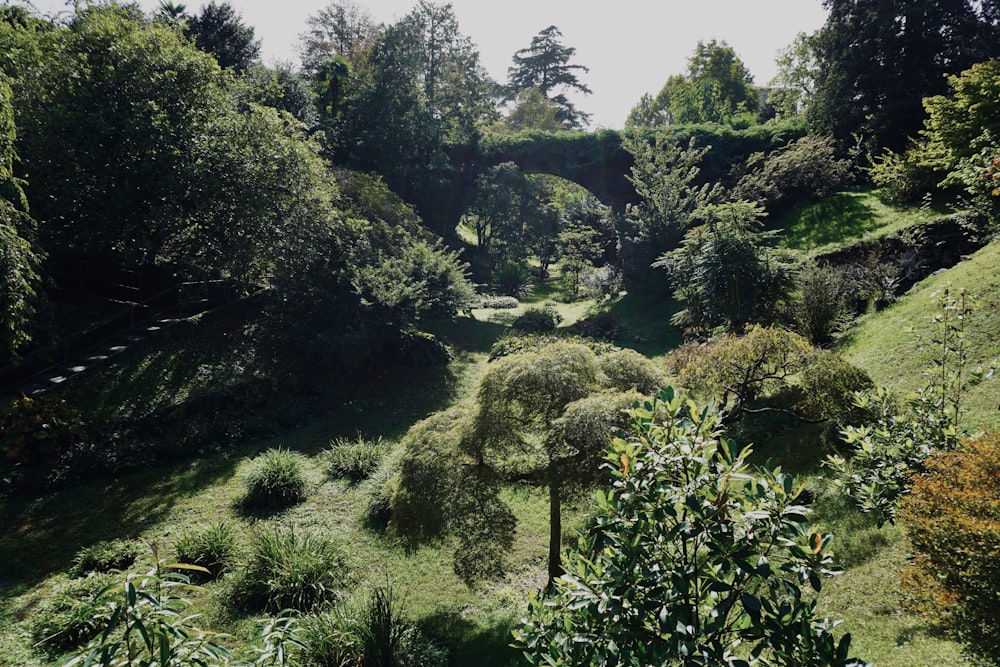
(542, 415)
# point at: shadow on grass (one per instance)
(646, 320)
(468, 334)
(42, 535)
(837, 218)
(470, 644)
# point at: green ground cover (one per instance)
(845, 218)
(42, 535)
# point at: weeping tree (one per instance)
(543, 416)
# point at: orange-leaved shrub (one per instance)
(952, 517)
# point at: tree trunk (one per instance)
(555, 531)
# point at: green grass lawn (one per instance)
(847, 217)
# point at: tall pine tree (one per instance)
(545, 65)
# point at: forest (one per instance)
(372, 360)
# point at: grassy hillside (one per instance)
(895, 346)
(847, 217)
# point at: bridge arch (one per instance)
(594, 160)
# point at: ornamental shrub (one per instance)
(627, 369)
(693, 558)
(952, 518)
(538, 320)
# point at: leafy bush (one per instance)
(512, 278)
(71, 614)
(705, 554)
(741, 369)
(500, 302)
(829, 384)
(893, 442)
(105, 556)
(599, 326)
(288, 569)
(276, 479)
(627, 369)
(538, 320)
(804, 169)
(601, 283)
(513, 344)
(952, 518)
(354, 459)
(821, 307)
(901, 178)
(140, 621)
(213, 548)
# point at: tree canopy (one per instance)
(545, 65)
(219, 30)
(716, 87)
(544, 414)
(877, 60)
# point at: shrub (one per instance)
(692, 557)
(276, 479)
(538, 320)
(952, 518)
(804, 169)
(287, 569)
(627, 369)
(35, 431)
(515, 343)
(821, 308)
(600, 326)
(354, 459)
(901, 178)
(71, 614)
(512, 278)
(105, 556)
(601, 283)
(500, 302)
(828, 384)
(213, 548)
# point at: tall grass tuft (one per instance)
(276, 479)
(105, 556)
(213, 548)
(289, 569)
(354, 459)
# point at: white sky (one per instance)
(630, 46)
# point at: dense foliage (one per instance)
(542, 414)
(952, 519)
(912, 46)
(691, 555)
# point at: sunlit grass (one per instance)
(895, 345)
(847, 217)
